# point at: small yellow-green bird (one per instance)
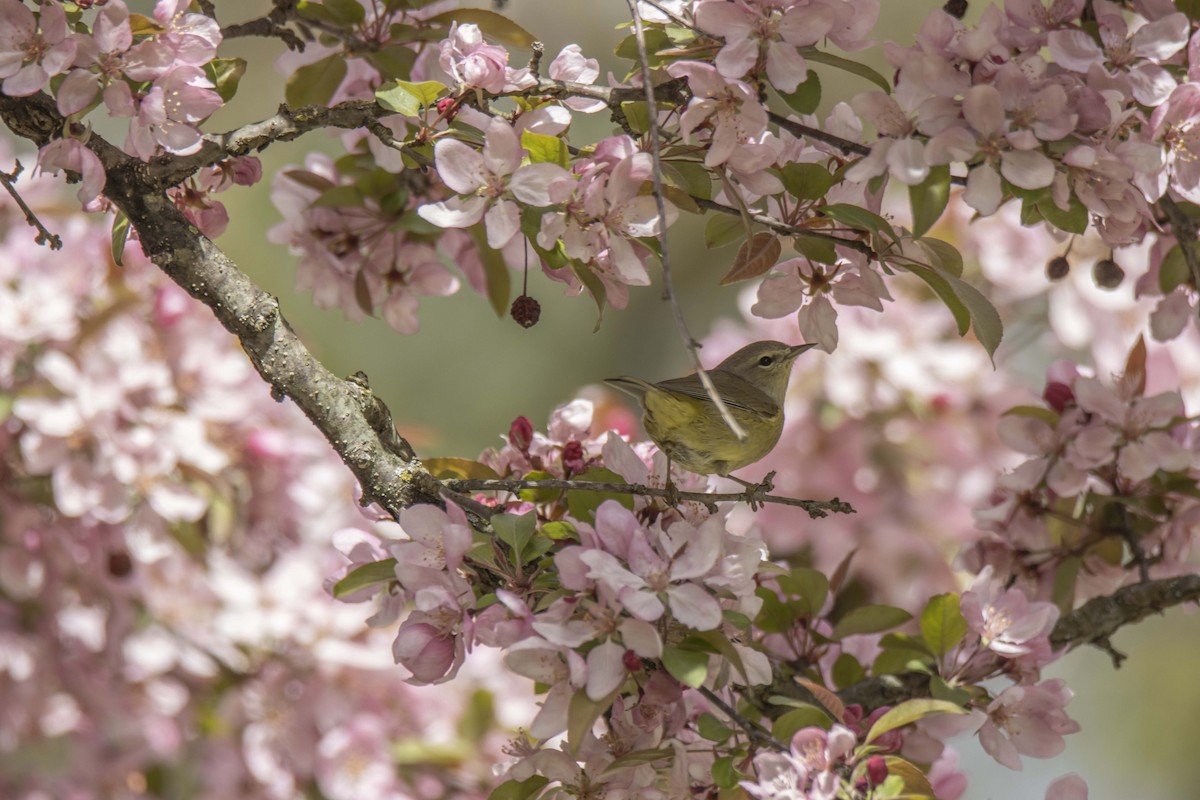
(686, 425)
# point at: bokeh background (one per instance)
(458, 383)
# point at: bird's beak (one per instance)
(800, 348)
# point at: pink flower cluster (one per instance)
(166, 537)
(1093, 446)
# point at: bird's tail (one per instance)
(635, 387)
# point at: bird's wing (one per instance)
(750, 398)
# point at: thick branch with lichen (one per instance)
(344, 411)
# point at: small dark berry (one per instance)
(1057, 268)
(119, 564)
(955, 8)
(526, 311)
(1107, 274)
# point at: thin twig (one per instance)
(816, 134)
(44, 236)
(786, 229)
(660, 200)
(755, 731)
(815, 508)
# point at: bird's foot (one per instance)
(756, 492)
(672, 497)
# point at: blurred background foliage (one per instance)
(457, 385)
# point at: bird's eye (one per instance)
(766, 361)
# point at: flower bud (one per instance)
(877, 770)
(520, 434)
(572, 457)
(631, 661)
(1057, 268)
(1058, 396)
(1107, 274)
(526, 311)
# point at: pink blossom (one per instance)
(73, 155)
(1175, 124)
(754, 33)
(570, 65)
(436, 538)
(483, 182)
(32, 48)
(1027, 720)
(1068, 787)
(913, 108)
(168, 114)
(476, 65)
(103, 51)
(605, 212)
(1005, 620)
(730, 108)
(189, 40)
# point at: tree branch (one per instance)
(352, 419)
(1092, 623)
(1185, 229)
(815, 508)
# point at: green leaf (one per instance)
(942, 624)
(559, 531)
(120, 234)
(816, 248)
(810, 585)
(807, 96)
(944, 255)
(478, 717)
(773, 616)
(408, 98)
(494, 26)
(1046, 415)
(723, 229)
(717, 642)
(1073, 220)
(366, 576)
(1173, 271)
(519, 790)
(345, 12)
(347, 196)
(806, 181)
(637, 114)
(637, 758)
(968, 305)
(713, 729)
(860, 219)
(724, 773)
(499, 280)
(656, 39)
(314, 84)
(909, 712)
(459, 468)
(869, 619)
(226, 73)
(809, 716)
(582, 713)
(394, 59)
(545, 149)
(595, 288)
(951, 694)
(539, 495)
(690, 176)
(516, 531)
(689, 667)
(583, 503)
(847, 671)
(846, 65)
(929, 198)
(916, 785)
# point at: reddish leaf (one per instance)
(1134, 378)
(826, 698)
(756, 255)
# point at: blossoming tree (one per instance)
(560, 624)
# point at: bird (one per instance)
(681, 418)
